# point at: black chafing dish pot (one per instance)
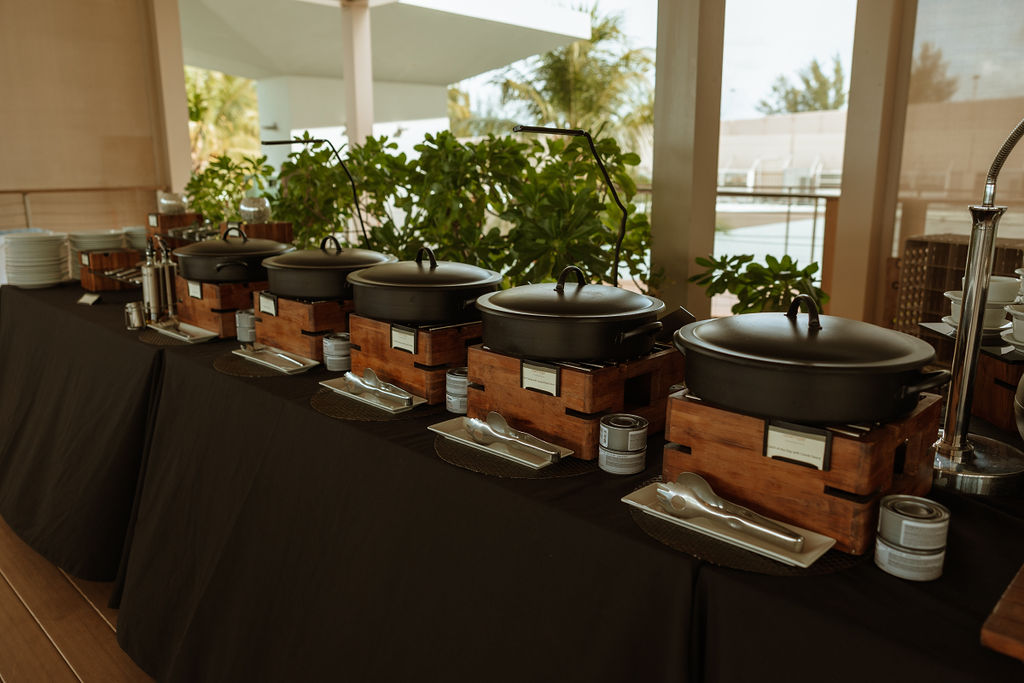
(227, 259)
(827, 370)
(418, 293)
(566, 321)
(319, 273)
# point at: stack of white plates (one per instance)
(35, 259)
(91, 241)
(136, 236)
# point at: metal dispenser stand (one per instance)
(969, 462)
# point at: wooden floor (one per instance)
(54, 627)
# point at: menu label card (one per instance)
(85, 259)
(153, 220)
(403, 338)
(268, 304)
(540, 377)
(89, 298)
(798, 444)
(195, 289)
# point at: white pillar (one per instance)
(882, 54)
(357, 70)
(687, 114)
(173, 102)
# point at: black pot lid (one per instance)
(568, 300)
(792, 339)
(229, 245)
(330, 256)
(433, 273)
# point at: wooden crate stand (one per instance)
(94, 263)
(584, 393)
(211, 305)
(162, 224)
(415, 359)
(279, 231)
(995, 387)
(727, 448)
(298, 326)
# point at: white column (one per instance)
(882, 54)
(357, 70)
(687, 113)
(172, 107)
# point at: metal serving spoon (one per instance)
(690, 495)
(498, 423)
(482, 433)
(373, 384)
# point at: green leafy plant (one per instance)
(564, 213)
(313, 193)
(217, 190)
(759, 287)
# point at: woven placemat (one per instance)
(236, 366)
(333, 404)
(149, 336)
(723, 554)
(475, 460)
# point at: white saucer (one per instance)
(1007, 336)
(949, 320)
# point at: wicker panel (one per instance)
(934, 264)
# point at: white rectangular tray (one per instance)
(282, 361)
(455, 430)
(815, 545)
(183, 332)
(339, 385)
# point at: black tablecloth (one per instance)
(274, 543)
(77, 397)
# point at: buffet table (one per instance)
(77, 399)
(272, 542)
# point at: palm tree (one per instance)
(223, 116)
(592, 84)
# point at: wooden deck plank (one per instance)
(97, 593)
(79, 633)
(26, 654)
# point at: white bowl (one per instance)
(993, 316)
(1003, 288)
(1016, 312)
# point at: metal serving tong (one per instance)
(496, 428)
(370, 383)
(691, 496)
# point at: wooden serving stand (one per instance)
(727, 448)
(94, 263)
(414, 358)
(298, 326)
(569, 412)
(161, 224)
(210, 305)
(995, 386)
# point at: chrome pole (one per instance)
(969, 462)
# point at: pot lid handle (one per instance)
(237, 228)
(580, 278)
(332, 238)
(813, 323)
(429, 252)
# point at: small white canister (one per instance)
(621, 462)
(337, 352)
(456, 383)
(245, 325)
(911, 541)
(913, 565)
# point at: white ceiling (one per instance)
(414, 41)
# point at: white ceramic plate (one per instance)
(1007, 336)
(815, 544)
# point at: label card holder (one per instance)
(404, 338)
(540, 377)
(798, 444)
(195, 289)
(268, 303)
